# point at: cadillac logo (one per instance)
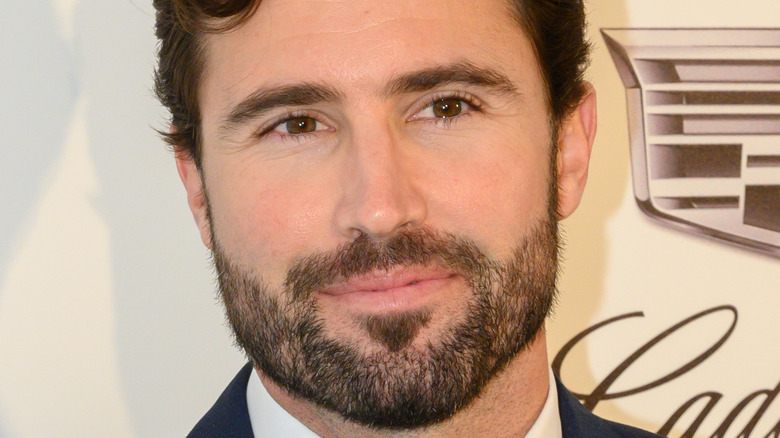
(704, 123)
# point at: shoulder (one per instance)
(578, 422)
(229, 417)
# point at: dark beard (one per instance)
(395, 386)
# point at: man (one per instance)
(380, 185)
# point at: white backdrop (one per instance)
(109, 324)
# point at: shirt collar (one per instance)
(270, 420)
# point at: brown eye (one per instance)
(301, 125)
(448, 107)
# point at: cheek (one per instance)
(266, 222)
(500, 193)
(497, 194)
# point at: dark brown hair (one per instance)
(556, 28)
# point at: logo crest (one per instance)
(704, 128)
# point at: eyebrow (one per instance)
(267, 99)
(459, 72)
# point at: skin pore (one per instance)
(327, 122)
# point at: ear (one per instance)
(575, 142)
(193, 183)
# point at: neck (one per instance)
(507, 406)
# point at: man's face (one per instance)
(379, 186)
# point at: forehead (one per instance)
(355, 43)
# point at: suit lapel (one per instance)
(229, 417)
(576, 421)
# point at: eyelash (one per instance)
(467, 98)
(471, 101)
(289, 115)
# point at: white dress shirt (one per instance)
(269, 420)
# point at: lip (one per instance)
(386, 281)
(398, 289)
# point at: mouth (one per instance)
(397, 290)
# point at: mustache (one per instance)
(421, 246)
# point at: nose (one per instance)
(380, 192)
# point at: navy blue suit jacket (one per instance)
(229, 417)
